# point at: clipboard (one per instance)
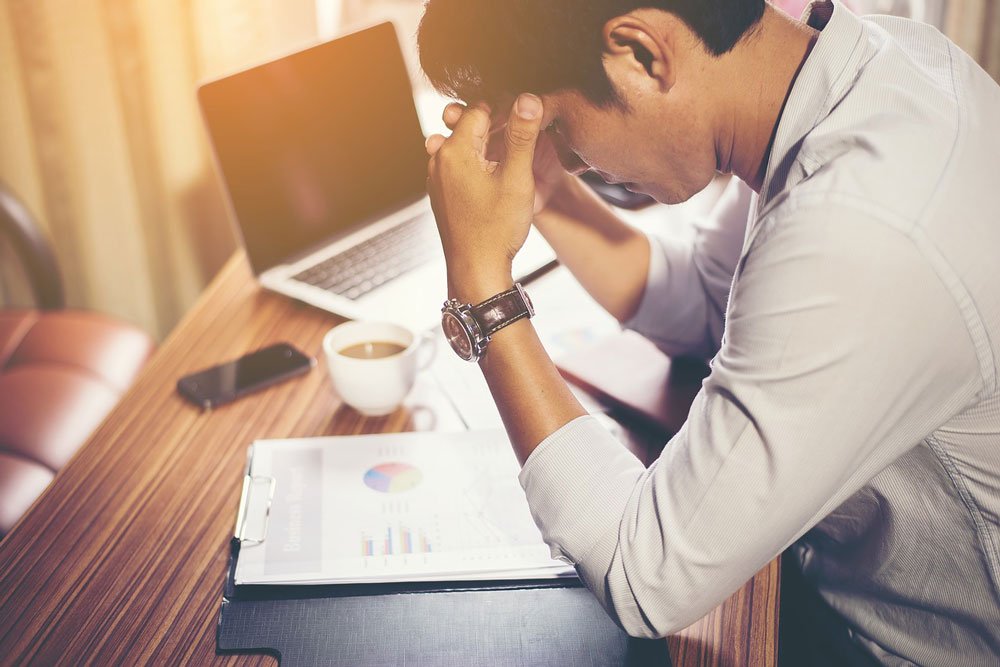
(552, 622)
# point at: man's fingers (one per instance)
(473, 128)
(434, 144)
(523, 129)
(452, 113)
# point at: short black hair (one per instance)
(482, 50)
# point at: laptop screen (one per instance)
(317, 142)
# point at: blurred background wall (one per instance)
(100, 133)
(100, 136)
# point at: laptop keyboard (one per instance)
(361, 268)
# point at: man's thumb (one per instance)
(522, 132)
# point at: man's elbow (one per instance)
(657, 613)
(659, 628)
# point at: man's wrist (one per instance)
(474, 288)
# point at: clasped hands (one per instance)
(484, 208)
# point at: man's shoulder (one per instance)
(903, 141)
(885, 142)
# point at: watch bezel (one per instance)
(463, 313)
(526, 299)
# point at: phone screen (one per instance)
(257, 370)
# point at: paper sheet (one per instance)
(393, 507)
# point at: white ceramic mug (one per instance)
(375, 386)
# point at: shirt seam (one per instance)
(975, 327)
(983, 530)
(959, 125)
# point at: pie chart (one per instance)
(392, 477)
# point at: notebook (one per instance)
(322, 156)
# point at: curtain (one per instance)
(975, 26)
(101, 136)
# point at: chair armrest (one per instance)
(33, 249)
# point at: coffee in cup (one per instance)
(372, 350)
(373, 365)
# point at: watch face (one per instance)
(457, 336)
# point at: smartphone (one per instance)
(226, 382)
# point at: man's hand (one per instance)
(550, 176)
(484, 208)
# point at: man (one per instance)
(853, 318)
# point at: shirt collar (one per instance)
(823, 80)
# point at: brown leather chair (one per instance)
(61, 371)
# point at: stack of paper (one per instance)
(394, 507)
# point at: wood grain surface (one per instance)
(122, 560)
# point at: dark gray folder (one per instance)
(545, 623)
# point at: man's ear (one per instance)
(639, 52)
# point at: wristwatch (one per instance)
(469, 328)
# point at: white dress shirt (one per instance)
(852, 407)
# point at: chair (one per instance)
(61, 370)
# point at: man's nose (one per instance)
(570, 161)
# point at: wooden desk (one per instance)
(122, 559)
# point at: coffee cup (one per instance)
(373, 365)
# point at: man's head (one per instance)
(619, 78)
(488, 49)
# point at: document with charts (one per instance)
(392, 507)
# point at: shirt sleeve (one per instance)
(687, 287)
(842, 351)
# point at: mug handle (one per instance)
(428, 348)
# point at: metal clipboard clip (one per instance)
(255, 509)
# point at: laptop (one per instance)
(322, 156)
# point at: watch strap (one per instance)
(501, 310)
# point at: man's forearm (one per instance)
(484, 210)
(531, 396)
(588, 239)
